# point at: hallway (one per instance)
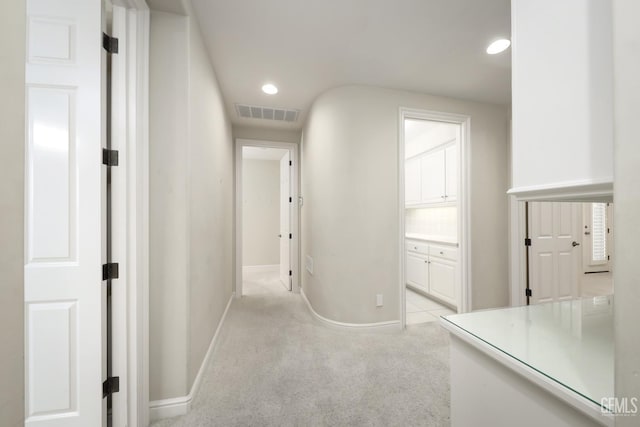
(275, 365)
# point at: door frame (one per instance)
(295, 209)
(463, 200)
(130, 136)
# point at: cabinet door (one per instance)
(417, 271)
(442, 279)
(451, 173)
(412, 194)
(432, 171)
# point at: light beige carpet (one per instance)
(275, 365)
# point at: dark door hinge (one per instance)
(290, 200)
(527, 242)
(110, 44)
(110, 271)
(290, 163)
(527, 292)
(290, 236)
(290, 273)
(110, 385)
(109, 157)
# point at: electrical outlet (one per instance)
(378, 300)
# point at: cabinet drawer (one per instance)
(421, 248)
(444, 252)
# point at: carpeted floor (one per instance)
(275, 365)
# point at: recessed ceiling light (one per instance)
(270, 89)
(498, 46)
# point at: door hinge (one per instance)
(110, 385)
(290, 236)
(110, 271)
(290, 273)
(527, 292)
(290, 163)
(110, 44)
(109, 157)
(290, 200)
(527, 242)
(608, 257)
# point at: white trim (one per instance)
(464, 203)
(167, 408)
(295, 208)
(517, 253)
(553, 387)
(393, 325)
(260, 268)
(595, 190)
(131, 211)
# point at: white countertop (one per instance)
(569, 342)
(431, 238)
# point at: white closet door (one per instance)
(432, 171)
(63, 282)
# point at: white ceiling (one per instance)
(308, 46)
(263, 153)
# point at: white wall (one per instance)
(191, 202)
(627, 201)
(350, 223)
(260, 212)
(12, 135)
(211, 196)
(562, 94)
(278, 135)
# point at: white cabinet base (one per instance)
(485, 392)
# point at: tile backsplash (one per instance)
(439, 221)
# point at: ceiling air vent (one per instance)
(266, 113)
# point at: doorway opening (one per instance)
(433, 215)
(266, 218)
(568, 250)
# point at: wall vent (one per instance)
(267, 113)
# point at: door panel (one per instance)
(442, 280)
(285, 218)
(417, 271)
(412, 181)
(63, 286)
(451, 173)
(554, 260)
(432, 171)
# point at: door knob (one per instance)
(574, 244)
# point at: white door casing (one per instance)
(63, 286)
(413, 181)
(555, 252)
(285, 220)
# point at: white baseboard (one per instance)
(167, 408)
(392, 325)
(260, 268)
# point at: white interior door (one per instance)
(554, 255)
(285, 220)
(63, 257)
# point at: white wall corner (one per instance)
(173, 407)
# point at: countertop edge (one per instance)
(430, 239)
(558, 390)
